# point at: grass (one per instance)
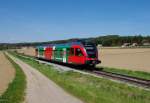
(91, 89)
(15, 91)
(139, 74)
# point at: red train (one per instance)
(77, 53)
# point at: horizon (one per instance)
(50, 20)
(72, 38)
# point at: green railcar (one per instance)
(61, 53)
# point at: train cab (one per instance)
(84, 54)
(77, 55)
(92, 54)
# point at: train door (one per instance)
(64, 55)
(67, 54)
(71, 55)
(48, 53)
(79, 57)
(41, 52)
(53, 53)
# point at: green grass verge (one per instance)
(16, 90)
(91, 89)
(140, 74)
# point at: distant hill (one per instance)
(109, 40)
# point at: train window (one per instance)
(78, 52)
(68, 51)
(71, 51)
(61, 53)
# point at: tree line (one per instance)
(116, 40)
(109, 40)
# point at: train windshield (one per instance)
(91, 50)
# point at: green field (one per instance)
(16, 90)
(91, 89)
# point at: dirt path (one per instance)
(42, 90)
(7, 73)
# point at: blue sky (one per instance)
(46, 20)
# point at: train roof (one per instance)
(67, 45)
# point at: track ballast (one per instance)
(129, 79)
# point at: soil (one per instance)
(27, 51)
(7, 73)
(134, 59)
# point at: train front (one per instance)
(92, 54)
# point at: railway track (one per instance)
(139, 82)
(129, 79)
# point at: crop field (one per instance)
(27, 51)
(137, 59)
(15, 90)
(7, 73)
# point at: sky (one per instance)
(47, 20)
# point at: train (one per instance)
(78, 52)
